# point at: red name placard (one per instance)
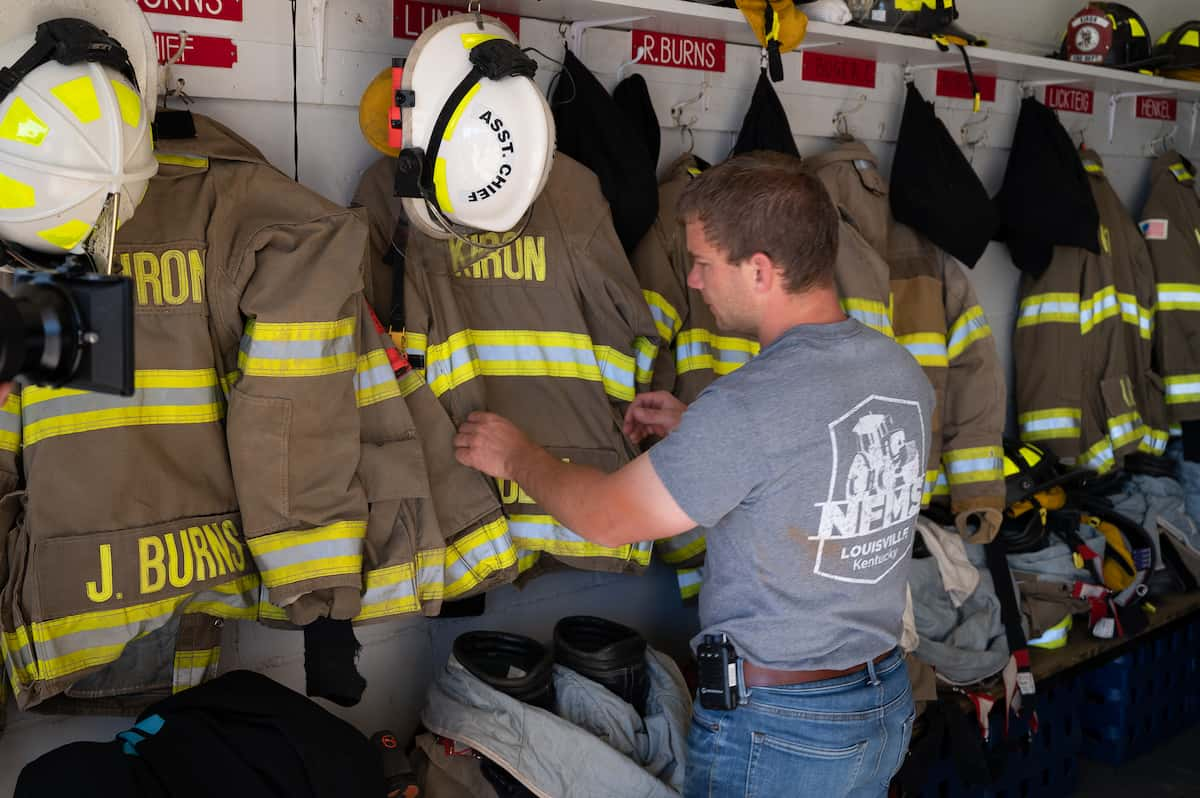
(1163, 108)
(410, 19)
(682, 52)
(839, 69)
(957, 85)
(1066, 98)
(205, 51)
(205, 9)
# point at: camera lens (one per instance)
(39, 331)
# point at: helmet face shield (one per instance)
(485, 145)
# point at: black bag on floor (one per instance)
(238, 735)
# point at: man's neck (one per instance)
(818, 305)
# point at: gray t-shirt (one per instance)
(806, 468)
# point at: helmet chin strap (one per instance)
(452, 229)
(68, 41)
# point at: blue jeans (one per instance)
(845, 736)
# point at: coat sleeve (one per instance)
(622, 330)
(1048, 335)
(666, 296)
(974, 415)
(293, 423)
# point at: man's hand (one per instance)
(492, 444)
(655, 413)
(5, 390)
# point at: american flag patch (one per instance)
(1154, 229)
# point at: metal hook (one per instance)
(637, 59)
(473, 7)
(575, 30)
(841, 122)
(1160, 144)
(966, 129)
(678, 109)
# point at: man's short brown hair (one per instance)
(764, 202)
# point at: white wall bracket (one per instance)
(1115, 100)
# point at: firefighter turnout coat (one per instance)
(267, 440)
(1171, 226)
(545, 325)
(480, 552)
(1085, 387)
(936, 316)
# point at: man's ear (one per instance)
(764, 272)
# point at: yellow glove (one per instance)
(790, 24)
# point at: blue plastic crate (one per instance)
(1134, 702)
(1046, 767)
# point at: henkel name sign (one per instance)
(410, 19)
(681, 52)
(1067, 98)
(205, 51)
(1163, 108)
(204, 9)
(838, 69)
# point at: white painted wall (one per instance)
(254, 98)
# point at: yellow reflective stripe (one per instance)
(15, 195)
(190, 161)
(698, 349)
(1054, 307)
(527, 560)
(374, 380)
(975, 464)
(230, 380)
(10, 424)
(618, 371)
(67, 235)
(298, 349)
(415, 346)
(1181, 389)
(22, 125)
(1154, 441)
(1049, 424)
(690, 580)
(928, 349)
(193, 668)
(472, 558)
(410, 382)
(161, 397)
(970, 327)
(64, 646)
(1125, 429)
(452, 124)
(440, 187)
(873, 313)
(1099, 457)
(666, 318)
(79, 96)
(295, 556)
(941, 486)
(1093, 167)
(526, 353)
(1178, 296)
(543, 533)
(130, 103)
(645, 352)
(676, 554)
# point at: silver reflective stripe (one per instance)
(379, 375)
(297, 350)
(146, 397)
(307, 553)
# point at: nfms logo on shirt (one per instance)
(875, 488)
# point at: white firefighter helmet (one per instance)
(71, 135)
(485, 141)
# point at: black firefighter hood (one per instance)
(934, 188)
(1045, 200)
(765, 126)
(593, 130)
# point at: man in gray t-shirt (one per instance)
(805, 467)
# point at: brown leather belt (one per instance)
(768, 677)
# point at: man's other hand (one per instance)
(655, 413)
(491, 444)
(5, 390)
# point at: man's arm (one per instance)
(626, 506)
